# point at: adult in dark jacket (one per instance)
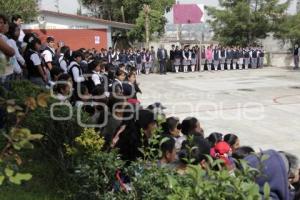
(162, 56)
(274, 172)
(130, 138)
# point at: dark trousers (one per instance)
(162, 66)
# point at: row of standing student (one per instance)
(217, 58)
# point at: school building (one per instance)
(76, 31)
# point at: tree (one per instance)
(133, 13)
(28, 9)
(289, 29)
(104, 9)
(242, 22)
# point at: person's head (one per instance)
(116, 106)
(95, 65)
(55, 73)
(77, 56)
(64, 85)
(196, 151)
(17, 19)
(3, 23)
(34, 44)
(120, 75)
(168, 149)
(190, 126)
(131, 77)
(66, 51)
(233, 141)
(172, 126)
(146, 120)
(173, 46)
(122, 66)
(51, 41)
(85, 95)
(214, 138)
(293, 166)
(242, 152)
(13, 31)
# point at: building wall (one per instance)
(76, 38)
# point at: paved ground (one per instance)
(262, 106)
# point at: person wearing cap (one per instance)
(49, 53)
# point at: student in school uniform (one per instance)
(131, 88)
(235, 58)
(246, 53)
(132, 58)
(229, 56)
(198, 58)
(186, 54)
(152, 51)
(216, 58)
(96, 78)
(208, 58)
(254, 58)
(193, 58)
(261, 57)
(139, 62)
(296, 56)
(222, 56)
(172, 57)
(64, 59)
(76, 74)
(110, 55)
(241, 58)
(36, 72)
(177, 57)
(201, 60)
(49, 54)
(147, 61)
(117, 85)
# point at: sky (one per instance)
(71, 6)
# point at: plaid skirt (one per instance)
(186, 62)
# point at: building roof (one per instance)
(113, 24)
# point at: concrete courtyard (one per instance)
(261, 106)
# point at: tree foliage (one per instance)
(28, 9)
(289, 29)
(133, 13)
(241, 22)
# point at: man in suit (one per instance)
(162, 57)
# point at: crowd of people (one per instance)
(215, 58)
(104, 84)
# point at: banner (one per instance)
(188, 13)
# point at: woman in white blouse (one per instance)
(17, 61)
